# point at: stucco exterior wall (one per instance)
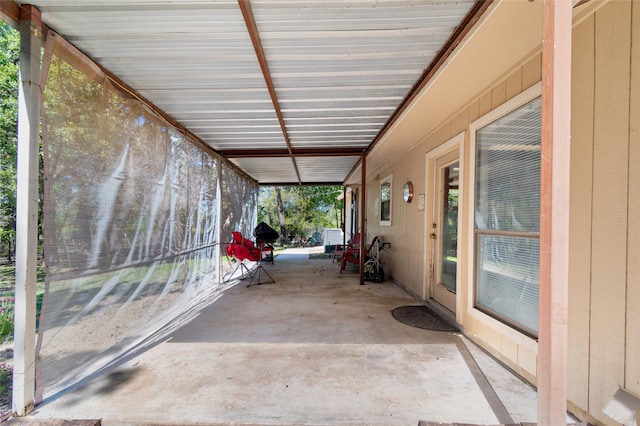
(604, 307)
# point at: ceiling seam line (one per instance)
(252, 28)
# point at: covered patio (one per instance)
(313, 348)
(199, 103)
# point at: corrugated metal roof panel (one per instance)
(353, 62)
(340, 69)
(318, 169)
(272, 170)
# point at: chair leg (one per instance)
(348, 258)
(338, 252)
(258, 273)
(243, 269)
(257, 276)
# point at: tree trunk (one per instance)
(283, 228)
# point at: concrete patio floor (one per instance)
(314, 348)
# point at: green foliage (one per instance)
(7, 300)
(6, 319)
(89, 127)
(307, 209)
(9, 56)
(6, 379)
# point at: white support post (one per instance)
(27, 211)
(218, 249)
(554, 212)
(363, 215)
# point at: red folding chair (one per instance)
(351, 252)
(242, 249)
(239, 250)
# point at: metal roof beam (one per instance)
(321, 183)
(10, 12)
(308, 152)
(247, 14)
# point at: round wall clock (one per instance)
(407, 192)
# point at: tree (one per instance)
(299, 211)
(9, 57)
(281, 216)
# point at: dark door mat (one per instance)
(422, 317)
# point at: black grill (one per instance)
(265, 233)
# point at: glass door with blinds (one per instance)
(446, 195)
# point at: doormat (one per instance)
(422, 317)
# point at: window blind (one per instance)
(507, 216)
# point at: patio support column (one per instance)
(363, 215)
(27, 211)
(554, 212)
(218, 247)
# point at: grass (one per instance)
(5, 378)
(6, 384)
(6, 318)
(7, 295)
(8, 279)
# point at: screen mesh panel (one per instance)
(133, 212)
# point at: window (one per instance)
(385, 200)
(507, 217)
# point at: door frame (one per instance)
(455, 144)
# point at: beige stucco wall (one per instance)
(604, 309)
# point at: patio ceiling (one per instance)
(292, 92)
